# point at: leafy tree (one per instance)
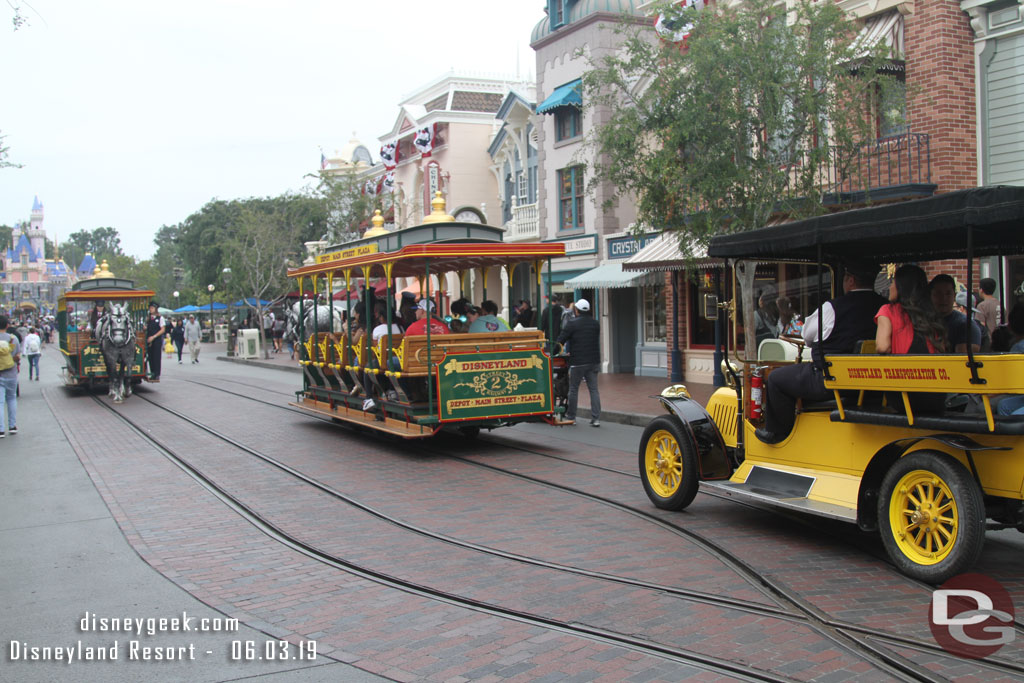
(348, 209)
(260, 248)
(738, 126)
(4, 163)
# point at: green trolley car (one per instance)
(83, 360)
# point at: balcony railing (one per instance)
(524, 224)
(889, 167)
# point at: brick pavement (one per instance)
(446, 503)
(624, 398)
(261, 583)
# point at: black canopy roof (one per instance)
(919, 230)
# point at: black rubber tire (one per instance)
(689, 477)
(970, 516)
(469, 432)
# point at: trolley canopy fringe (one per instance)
(918, 230)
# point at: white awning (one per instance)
(664, 254)
(611, 276)
(885, 29)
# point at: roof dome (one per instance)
(354, 153)
(584, 8)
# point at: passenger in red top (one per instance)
(437, 325)
(909, 324)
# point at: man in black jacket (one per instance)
(584, 336)
(154, 339)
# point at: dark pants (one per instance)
(578, 373)
(783, 387)
(155, 350)
(179, 345)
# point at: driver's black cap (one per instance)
(863, 270)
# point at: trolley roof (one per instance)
(413, 260)
(106, 288)
(919, 230)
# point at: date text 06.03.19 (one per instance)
(271, 650)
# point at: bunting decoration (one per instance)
(370, 187)
(389, 155)
(672, 25)
(424, 140)
(388, 183)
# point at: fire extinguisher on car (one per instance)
(756, 392)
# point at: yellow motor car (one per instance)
(929, 483)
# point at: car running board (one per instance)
(782, 500)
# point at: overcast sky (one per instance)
(134, 114)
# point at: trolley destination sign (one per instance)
(496, 384)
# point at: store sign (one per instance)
(587, 244)
(624, 247)
(347, 253)
(495, 384)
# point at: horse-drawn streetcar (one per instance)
(101, 324)
(414, 385)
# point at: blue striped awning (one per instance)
(570, 94)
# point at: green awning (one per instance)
(611, 276)
(570, 94)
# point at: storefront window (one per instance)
(654, 314)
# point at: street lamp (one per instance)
(226, 276)
(177, 302)
(210, 289)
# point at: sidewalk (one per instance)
(63, 554)
(625, 399)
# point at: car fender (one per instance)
(712, 456)
(871, 480)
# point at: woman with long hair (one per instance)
(909, 323)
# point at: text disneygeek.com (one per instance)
(138, 648)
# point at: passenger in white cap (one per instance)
(437, 325)
(582, 334)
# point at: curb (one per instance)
(613, 416)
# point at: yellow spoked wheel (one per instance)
(668, 464)
(931, 515)
(923, 515)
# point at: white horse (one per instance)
(117, 342)
(321, 314)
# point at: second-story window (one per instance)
(557, 9)
(568, 123)
(570, 198)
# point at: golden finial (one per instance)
(378, 228)
(104, 270)
(437, 215)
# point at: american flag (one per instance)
(323, 161)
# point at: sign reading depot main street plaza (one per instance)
(494, 384)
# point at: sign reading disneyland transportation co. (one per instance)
(624, 247)
(494, 384)
(361, 250)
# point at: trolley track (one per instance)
(852, 637)
(268, 527)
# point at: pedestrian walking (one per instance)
(583, 336)
(178, 337)
(155, 331)
(10, 355)
(33, 349)
(192, 335)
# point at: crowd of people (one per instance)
(571, 326)
(919, 316)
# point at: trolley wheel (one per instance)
(931, 516)
(668, 464)
(470, 432)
